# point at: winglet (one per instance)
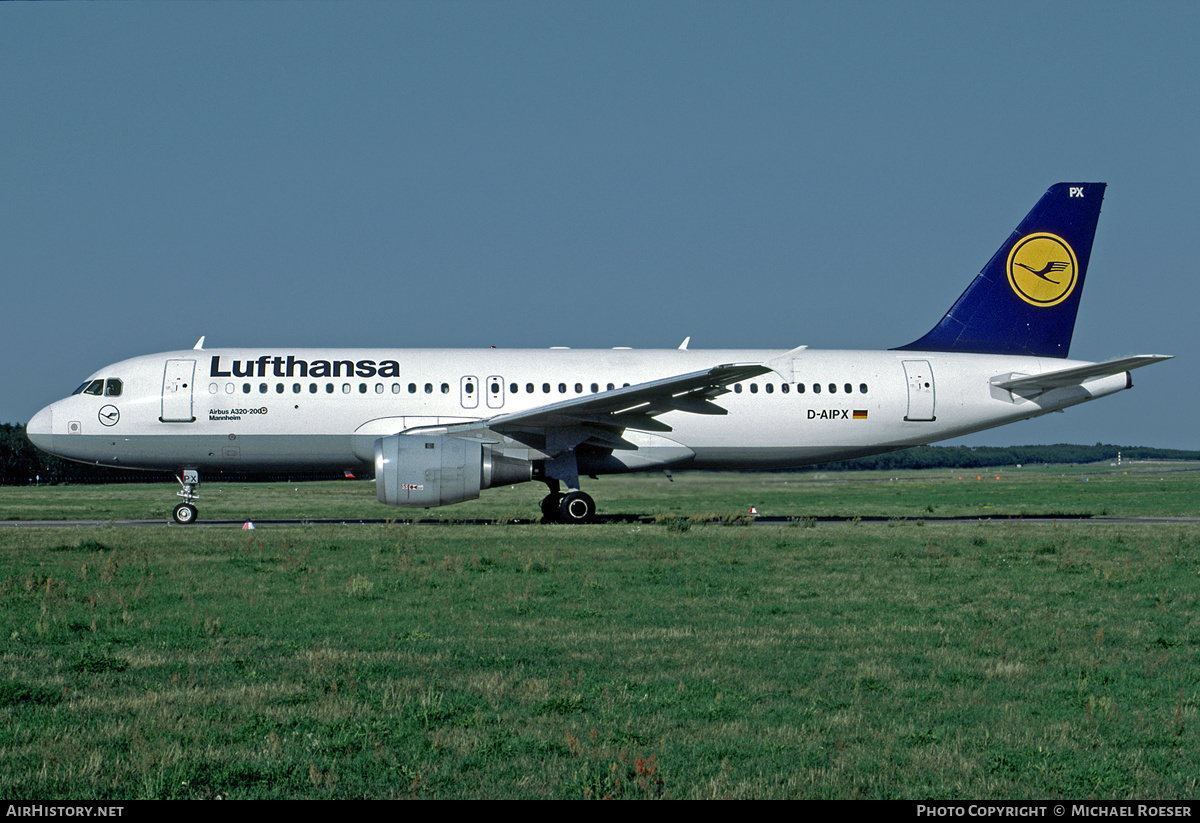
(1026, 298)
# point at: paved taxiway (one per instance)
(600, 520)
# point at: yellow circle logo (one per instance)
(1042, 269)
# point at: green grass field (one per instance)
(1163, 489)
(673, 658)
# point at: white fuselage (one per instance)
(246, 410)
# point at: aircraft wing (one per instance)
(1077, 375)
(599, 419)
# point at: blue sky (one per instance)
(528, 174)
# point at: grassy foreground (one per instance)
(902, 659)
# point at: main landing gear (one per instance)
(572, 507)
(185, 513)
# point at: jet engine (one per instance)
(422, 471)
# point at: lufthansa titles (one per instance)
(277, 365)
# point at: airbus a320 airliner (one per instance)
(436, 426)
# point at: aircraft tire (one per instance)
(576, 507)
(550, 504)
(184, 514)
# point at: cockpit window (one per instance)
(107, 388)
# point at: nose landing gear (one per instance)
(185, 513)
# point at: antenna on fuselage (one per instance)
(199, 344)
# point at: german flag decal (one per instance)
(860, 414)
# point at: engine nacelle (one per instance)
(422, 471)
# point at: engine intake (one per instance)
(422, 471)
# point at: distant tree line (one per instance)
(982, 457)
(22, 463)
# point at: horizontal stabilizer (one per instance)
(1077, 375)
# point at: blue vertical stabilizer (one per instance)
(1026, 298)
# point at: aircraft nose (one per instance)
(40, 429)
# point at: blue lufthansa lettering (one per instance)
(292, 366)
